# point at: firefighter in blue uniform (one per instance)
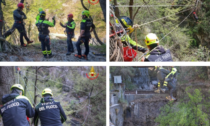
(156, 52)
(86, 28)
(167, 79)
(16, 107)
(161, 74)
(50, 112)
(43, 27)
(70, 26)
(19, 16)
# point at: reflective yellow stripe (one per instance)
(158, 84)
(173, 71)
(125, 23)
(49, 52)
(24, 97)
(165, 83)
(44, 52)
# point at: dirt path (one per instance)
(59, 48)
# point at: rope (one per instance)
(168, 33)
(27, 89)
(137, 26)
(177, 25)
(87, 112)
(154, 5)
(124, 32)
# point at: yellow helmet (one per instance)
(47, 91)
(151, 38)
(18, 86)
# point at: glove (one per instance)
(130, 29)
(23, 16)
(61, 24)
(165, 83)
(53, 18)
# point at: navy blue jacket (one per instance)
(15, 110)
(50, 112)
(86, 24)
(17, 15)
(159, 54)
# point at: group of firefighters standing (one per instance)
(43, 24)
(17, 109)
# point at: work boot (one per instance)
(29, 42)
(157, 91)
(24, 45)
(85, 57)
(68, 53)
(170, 99)
(78, 56)
(45, 56)
(51, 55)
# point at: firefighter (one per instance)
(50, 112)
(161, 74)
(70, 26)
(166, 79)
(157, 53)
(86, 27)
(19, 16)
(16, 107)
(43, 27)
(127, 23)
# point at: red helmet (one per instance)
(20, 5)
(70, 15)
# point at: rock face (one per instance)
(142, 79)
(143, 112)
(59, 49)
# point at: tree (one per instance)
(103, 7)
(7, 79)
(189, 112)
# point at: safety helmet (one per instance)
(70, 15)
(42, 14)
(86, 13)
(40, 9)
(126, 21)
(18, 86)
(20, 5)
(151, 38)
(47, 91)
